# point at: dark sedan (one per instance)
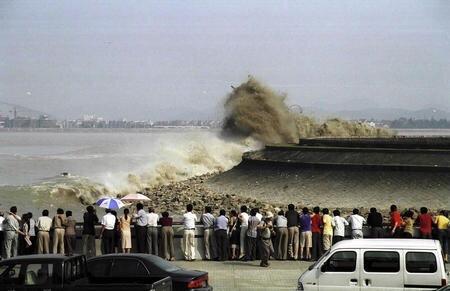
(100, 269)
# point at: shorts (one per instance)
(306, 239)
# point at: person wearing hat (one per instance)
(265, 228)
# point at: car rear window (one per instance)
(381, 262)
(421, 262)
(128, 268)
(99, 268)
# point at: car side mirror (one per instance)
(324, 268)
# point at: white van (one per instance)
(377, 264)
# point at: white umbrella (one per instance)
(135, 197)
(110, 203)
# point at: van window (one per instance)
(344, 261)
(381, 262)
(418, 262)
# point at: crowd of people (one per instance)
(245, 235)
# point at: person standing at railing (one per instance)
(209, 241)
(188, 243)
(243, 220)
(442, 222)
(375, 221)
(167, 236)
(152, 231)
(58, 225)
(281, 244)
(70, 235)
(125, 231)
(425, 223)
(140, 228)
(44, 224)
(90, 219)
(220, 233)
(11, 228)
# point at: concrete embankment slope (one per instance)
(346, 173)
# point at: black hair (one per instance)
(90, 209)
(13, 209)
(233, 212)
(45, 212)
(393, 208)
(113, 212)
(325, 211)
(243, 208)
(316, 210)
(373, 210)
(291, 207)
(30, 215)
(305, 210)
(423, 210)
(253, 212)
(68, 213)
(222, 212)
(189, 207)
(336, 212)
(59, 211)
(151, 209)
(126, 211)
(107, 210)
(139, 206)
(356, 211)
(165, 214)
(208, 209)
(281, 212)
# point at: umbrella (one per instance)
(110, 203)
(135, 197)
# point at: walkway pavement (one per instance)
(236, 275)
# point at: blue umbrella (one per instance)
(110, 203)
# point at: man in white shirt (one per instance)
(152, 231)
(243, 219)
(44, 224)
(107, 232)
(188, 245)
(208, 234)
(141, 228)
(339, 224)
(356, 221)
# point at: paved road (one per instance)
(235, 275)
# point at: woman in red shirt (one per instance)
(396, 222)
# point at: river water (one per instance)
(107, 163)
(102, 164)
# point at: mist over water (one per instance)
(104, 164)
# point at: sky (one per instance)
(179, 59)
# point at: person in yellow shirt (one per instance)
(327, 229)
(442, 222)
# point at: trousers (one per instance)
(152, 240)
(58, 241)
(188, 244)
(43, 242)
(89, 245)
(167, 242)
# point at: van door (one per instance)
(382, 270)
(340, 271)
(423, 270)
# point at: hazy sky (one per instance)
(164, 59)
